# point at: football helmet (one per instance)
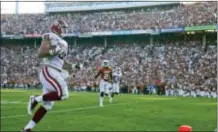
(105, 63)
(59, 27)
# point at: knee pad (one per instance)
(102, 94)
(48, 105)
(65, 96)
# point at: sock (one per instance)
(101, 100)
(53, 96)
(30, 125)
(39, 114)
(110, 98)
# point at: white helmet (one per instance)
(105, 63)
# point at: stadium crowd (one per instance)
(201, 13)
(184, 67)
(19, 67)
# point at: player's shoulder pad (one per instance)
(49, 36)
(63, 43)
(101, 68)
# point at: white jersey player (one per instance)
(53, 51)
(116, 79)
(116, 75)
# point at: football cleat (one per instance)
(27, 130)
(101, 105)
(31, 104)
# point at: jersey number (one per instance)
(106, 76)
(117, 79)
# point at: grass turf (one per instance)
(127, 112)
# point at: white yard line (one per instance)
(73, 109)
(3, 102)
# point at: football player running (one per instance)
(105, 86)
(53, 51)
(116, 76)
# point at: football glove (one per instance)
(55, 51)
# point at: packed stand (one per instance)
(19, 67)
(186, 69)
(202, 13)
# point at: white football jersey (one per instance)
(58, 60)
(116, 77)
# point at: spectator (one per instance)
(185, 67)
(202, 13)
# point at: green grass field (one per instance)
(127, 112)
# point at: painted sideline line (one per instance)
(73, 109)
